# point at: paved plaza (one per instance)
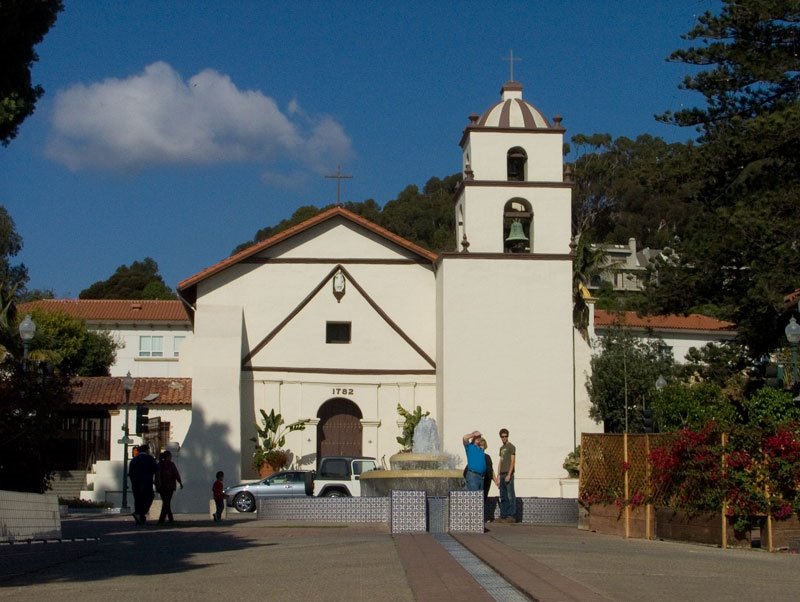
(246, 558)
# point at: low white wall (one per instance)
(28, 516)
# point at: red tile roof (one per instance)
(108, 310)
(670, 322)
(301, 227)
(108, 391)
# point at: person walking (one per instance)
(476, 461)
(167, 480)
(217, 488)
(141, 470)
(505, 479)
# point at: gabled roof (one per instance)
(108, 391)
(692, 322)
(111, 310)
(302, 227)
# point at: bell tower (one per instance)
(504, 299)
(513, 198)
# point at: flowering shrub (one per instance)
(754, 474)
(747, 471)
(687, 470)
(782, 454)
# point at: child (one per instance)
(219, 498)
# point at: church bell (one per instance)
(516, 234)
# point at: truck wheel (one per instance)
(334, 493)
(244, 502)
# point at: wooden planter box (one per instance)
(610, 520)
(700, 528)
(785, 534)
(647, 522)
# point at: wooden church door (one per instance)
(339, 429)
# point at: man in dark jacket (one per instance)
(141, 471)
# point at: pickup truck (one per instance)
(338, 476)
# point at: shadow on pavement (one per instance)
(98, 548)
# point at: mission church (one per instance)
(337, 320)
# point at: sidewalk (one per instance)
(197, 559)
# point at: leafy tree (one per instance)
(770, 407)
(140, 280)
(12, 277)
(35, 294)
(425, 218)
(32, 402)
(693, 405)
(748, 165)
(65, 342)
(23, 24)
(724, 365)
(623, 378)
(751, 48)
(631, 188)
(588, 262)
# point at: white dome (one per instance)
(512, 111)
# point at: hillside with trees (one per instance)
(140, 280)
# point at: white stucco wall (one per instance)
(505, 360)
(488, 151)
(128, 359)
(239, 308)
(483, 217)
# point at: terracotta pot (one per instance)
(267, 469)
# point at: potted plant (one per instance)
(572, 463)
(411, 421)
(269, 455)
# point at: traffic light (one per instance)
(142, 419)
(647, 420)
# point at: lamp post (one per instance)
(27, 328)
(792, 331)
(127, 385)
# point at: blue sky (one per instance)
(177, 129)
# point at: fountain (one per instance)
(425, 468)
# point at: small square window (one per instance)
(337, 332)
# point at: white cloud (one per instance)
(156, 118)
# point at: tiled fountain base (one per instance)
(413, 512)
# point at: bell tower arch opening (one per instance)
(517, 164)
(339, 429)
(517, 226)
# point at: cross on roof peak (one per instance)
(338, 176)
(511, 60)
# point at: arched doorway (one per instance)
(339, 429)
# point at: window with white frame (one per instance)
(176, 346)
(151, 346)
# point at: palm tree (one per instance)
(589, 261)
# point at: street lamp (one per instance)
(27, 328)
(792, 331)
(127, 384)
(660, 383)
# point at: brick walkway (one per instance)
(432, 573)
(536, 580)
